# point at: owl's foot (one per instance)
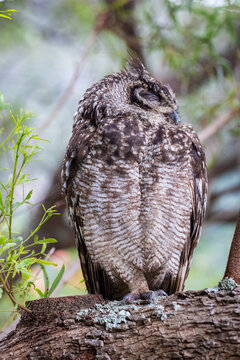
(147, 296)
(151, 295)
(130, 298)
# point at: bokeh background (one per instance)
(52, 51)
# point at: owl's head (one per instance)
(133, 90)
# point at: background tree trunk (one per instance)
(189, 325)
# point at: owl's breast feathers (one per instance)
(136, 192)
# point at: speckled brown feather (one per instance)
(135, 183)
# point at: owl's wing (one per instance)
(97, 282)
(198, 184)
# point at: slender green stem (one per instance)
(19, 140)
(7, 290)
(43, 220)
(12, 189)
(9, 272)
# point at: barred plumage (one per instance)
(134, 178)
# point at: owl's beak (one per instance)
(175, 117)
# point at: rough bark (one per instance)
(190, 325)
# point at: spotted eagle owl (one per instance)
(135, 183)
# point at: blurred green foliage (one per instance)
(188, 35)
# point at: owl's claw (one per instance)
(161, 293)
(131, 297)
(147, 296)
(151, 295)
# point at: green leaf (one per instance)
(31, 283)
(45, 262)
(56, 280)
(46, 281)
(24, 252)
(39, 292)
(47, 241)
(26, 263)
(29, 195)
(10, 11)
(5, 16)
(3, 239)
(43, 248)
(1, 201)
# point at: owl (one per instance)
(135, 182)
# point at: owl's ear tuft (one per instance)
(135, 65)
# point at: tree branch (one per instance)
(193, 325)
(216, 125)
(121, 22)
(65, 96)
(233, 264)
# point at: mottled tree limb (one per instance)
(189, 325)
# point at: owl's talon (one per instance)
(131, 298)
(151, 295)
(147, 296)
(161, 293)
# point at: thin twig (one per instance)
(12, 298)
(65, 96)
(220, 122)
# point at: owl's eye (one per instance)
(144, 98)
(149, 96)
